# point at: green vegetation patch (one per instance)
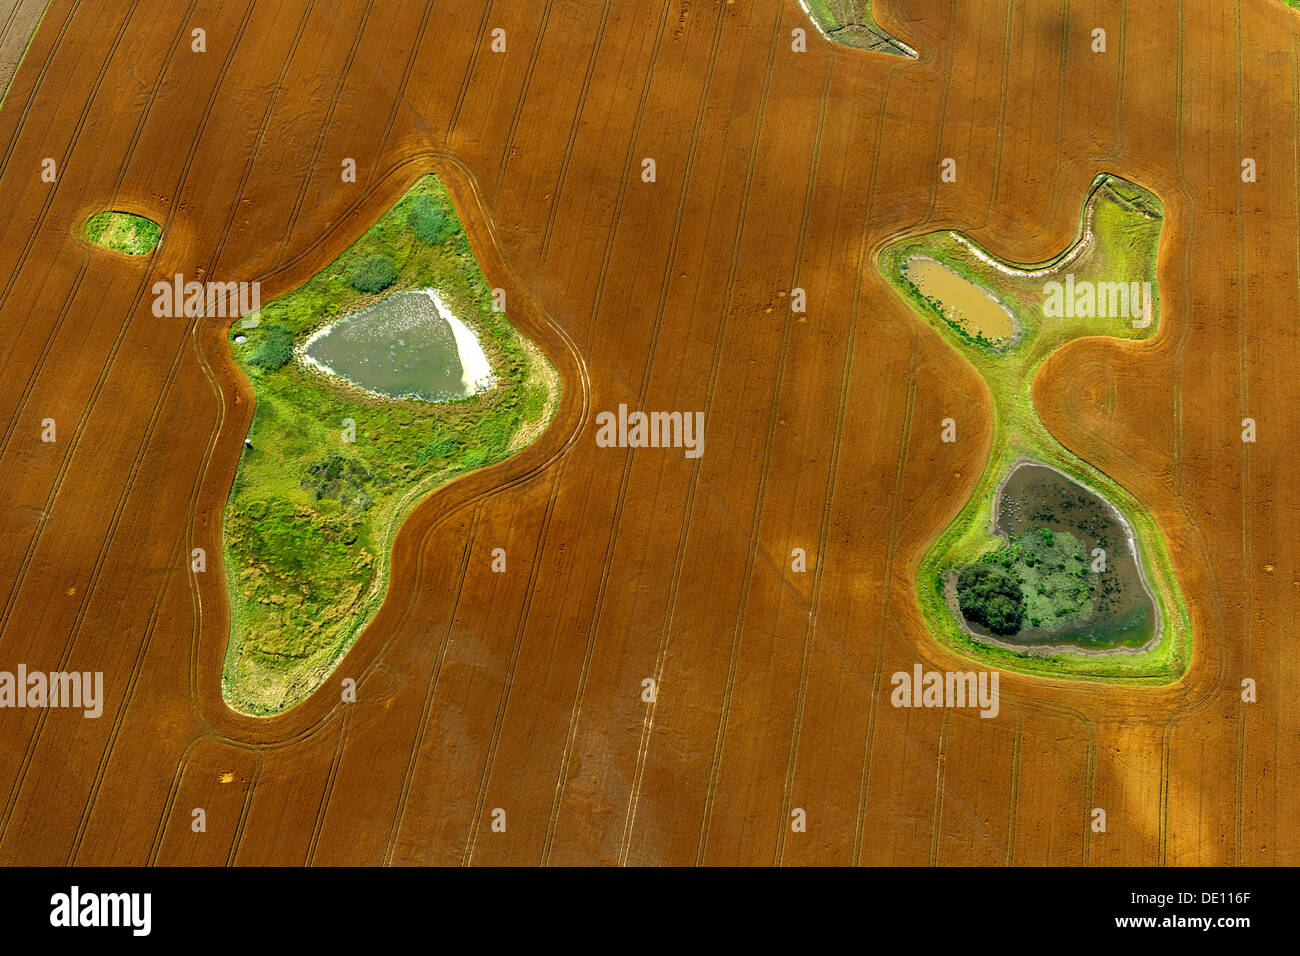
(1058, 586)
(1054, 585)
(991, 595)
(1118, 240)
(274, 348)
(428, 219)
(851, 23)
(123, 232)
(373, 273)
(333, 469)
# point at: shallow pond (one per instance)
(410, 345)
(963, 302)
(1036, 499)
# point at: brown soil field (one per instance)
(18, 20)
(523, 691)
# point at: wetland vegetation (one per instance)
(1011, 581)
(852, 23)
(335, 467)
(123, 232)
(1066, 574)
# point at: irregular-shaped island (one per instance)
(386, 375)
(123, 232)
(1051, 567)
(851, 23)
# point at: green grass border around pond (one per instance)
(968, 538)
(1124, 246)
(123, 232)
(311, 517)
(858, 29)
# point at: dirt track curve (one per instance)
(523, 690)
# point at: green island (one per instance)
(1051, 568)
(332, 466)
(1034, 578)
(122, 232)
(850, 22)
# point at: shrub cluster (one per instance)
(274, 350)
(373, 273)
(990, 595)
(428, 219)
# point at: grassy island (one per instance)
(123, 232)
(850, 22)
(334, 468)
(1051, 568)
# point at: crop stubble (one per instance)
(522, 690)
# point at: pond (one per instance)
(963, 303)
(1075, 556)
(410, 345)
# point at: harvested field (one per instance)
(18, 21)
(775, 171)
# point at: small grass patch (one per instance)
(851, 23)
(123, 232)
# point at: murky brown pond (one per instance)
(1035, 496)
(963, 302)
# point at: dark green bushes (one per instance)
(990, 595)
(275, 349)
(428, 220)
(373, 273)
